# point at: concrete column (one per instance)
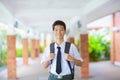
(25, 51)
(117, 39)
(116, 53)
(112, 43)
(33, 47)
(11, 56)
(37, 49)
(85, 55)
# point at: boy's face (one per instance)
(59, 31)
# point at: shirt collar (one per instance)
(61, 45)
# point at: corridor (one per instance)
(26, 29)
(102, 70)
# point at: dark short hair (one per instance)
(59, 22)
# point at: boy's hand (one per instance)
(50, 57)
(68, 57)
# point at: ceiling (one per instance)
(40, 14)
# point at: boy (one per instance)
(58, 61)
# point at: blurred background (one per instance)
(26, 29)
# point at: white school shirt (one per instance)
(65, 67)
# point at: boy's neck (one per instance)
(59, 41)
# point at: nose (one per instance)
(58, 31)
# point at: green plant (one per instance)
(106, 49)
(98, 45)
(3, 51)
(41, 49)
(94, 48)
(3, 56)
(19, 52)
(29, 50)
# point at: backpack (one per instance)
(67, 48)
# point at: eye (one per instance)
(61, 30)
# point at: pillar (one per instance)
(37, 49)
(115, 39)
(84, 72)
(25, 51)
(11, 56)
(112, 43)
(33, 46)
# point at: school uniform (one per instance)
(66, 73)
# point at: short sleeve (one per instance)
(45, 54)
(75, 52)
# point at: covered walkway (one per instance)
(103, 70)
(33, 19)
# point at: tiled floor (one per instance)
(103, 70)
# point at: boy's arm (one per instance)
(71, 59)
(45, 63)
(75, 58)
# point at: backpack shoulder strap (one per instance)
(67, 49)
(52, 47)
